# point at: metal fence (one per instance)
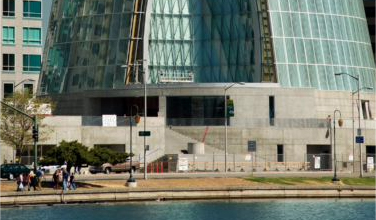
(260, 163)
(251, 163)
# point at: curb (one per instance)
(134, 194)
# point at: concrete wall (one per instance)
(300, 120)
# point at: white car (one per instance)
(50, 169)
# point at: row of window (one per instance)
(31, 36)
(31, 63)
(8, 89)
(31, 9)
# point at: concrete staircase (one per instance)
(177, 141)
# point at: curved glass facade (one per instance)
(210, 40)
(313, 39)
(95, 44)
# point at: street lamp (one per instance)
(131, 182)
(352, 116)
(359, 133)
(227, 87)
(340, 123)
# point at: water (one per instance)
(322, 209)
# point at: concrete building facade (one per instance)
(275, 61)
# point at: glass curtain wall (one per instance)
(88, 45)
(207, 40)
(313, 39)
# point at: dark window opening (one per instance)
(122, 106)
(195, 110)
(8, 90)
(271, 110)
(29, 88)
(280, 155)
(8, 62)
(8, 8)
(366, 110)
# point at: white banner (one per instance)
(183, 164)
(109, 120)
(370, 163)
(317, 162)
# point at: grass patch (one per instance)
(365, 181)
(311, 181)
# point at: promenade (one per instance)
(112, 188)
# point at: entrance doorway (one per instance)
(319, 157)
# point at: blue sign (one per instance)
(359, 139)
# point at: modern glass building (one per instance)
(108, 44)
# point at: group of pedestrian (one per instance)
(62, 177)
(30, 181)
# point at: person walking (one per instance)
(39, 177)
(20, 186)
(65, 180)
(32, 181)
(72, 182)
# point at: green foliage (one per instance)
(15, 129)
(101, 155)
(74, 153)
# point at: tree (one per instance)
(16, 128)
(100, 155)
(74, 153)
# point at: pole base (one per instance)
(131, 183)
(336, 180)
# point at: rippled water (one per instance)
(322, 209)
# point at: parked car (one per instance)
(50, 169)
(12, 171)
(120, 167)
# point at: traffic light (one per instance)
(230, 108)
(35, 133)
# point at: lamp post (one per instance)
(25, 80)
(340, 123)
(359, 133)
(352, 116)
(227, 87)
(131, 182)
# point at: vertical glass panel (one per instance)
(287, 27)
(294, 75)
(304, 76)
(310, 51)
(273, 5)
(306, 25)
(280, 53)
(290, 50)
(300, 51)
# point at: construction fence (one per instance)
(255, 163)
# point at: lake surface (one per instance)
(322, 209)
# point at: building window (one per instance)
(8, 62)
(280, 155)
(29, 88)
(271, 110)
(8, 90)
(32, 36)
(8, 8)
(31, 63)
(366, 110)
(8, 35)
(32, 9)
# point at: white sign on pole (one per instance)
(317, 162)
(109, 120)
(351, 157)
(370, 163)
(248, 157)
(183, 164)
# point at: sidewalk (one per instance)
(172, 189)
